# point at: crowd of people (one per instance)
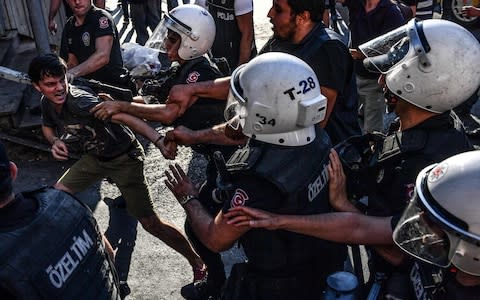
(301, 161)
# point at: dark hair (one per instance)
(314, 7)
(5, 178)
(46, 65)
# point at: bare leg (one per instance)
(172, 237)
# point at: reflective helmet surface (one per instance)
(195, 26)
(441, 225)
(432, 64)
(276, 98)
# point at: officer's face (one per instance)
(283, 20)
(172, 44)
(80, 7)
(54, 88)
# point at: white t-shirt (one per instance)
(241, 7)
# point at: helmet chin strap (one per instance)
(390, 98)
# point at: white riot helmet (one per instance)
(441, 225)
(195, 26)
(432, 64)
(276, 99)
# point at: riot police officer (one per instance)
(185, 34)
(321, 48)
(50, 245)
(440, 227)
(418, 76)
(419, 84)
(279, 117)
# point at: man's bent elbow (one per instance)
(218, 246)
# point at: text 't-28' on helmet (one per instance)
(433, 64)
(276, 99)
(195, 26)
(441, 225)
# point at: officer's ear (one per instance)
(303, 18)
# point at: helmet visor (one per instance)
(169, 23)
(386, 51)
(421, 237)
(235, 110)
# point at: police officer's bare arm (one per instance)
(214, 232)
(340, 227)
(245, 25)
(218, 135)
(100, 58)
(164, 113)
(184, 95)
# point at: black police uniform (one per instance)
(329, 58)
(51, 248)
(204, 113)
(80, 41)
(428, 282)
(282, 264)
(403, 155)
(228, 35)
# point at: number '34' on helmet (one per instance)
(433, 64)
(276, 98)
(441, 224)
(195, 26)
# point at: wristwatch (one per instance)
(185, 199)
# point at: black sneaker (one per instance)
(124, 289)
(201, 290)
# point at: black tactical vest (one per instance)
(300, 173)
(228, 35)
(59, 255)
(205, 112)
(406, 153)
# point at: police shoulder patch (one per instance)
(239, 198)
(193, 77)
(103, 22)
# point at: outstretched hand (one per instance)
(337, 182)
(470, 11)
(179, 183)
(252, 217)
